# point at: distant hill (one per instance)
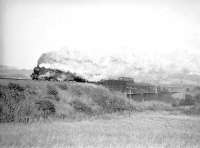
(12, 72)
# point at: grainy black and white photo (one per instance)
(99, 73)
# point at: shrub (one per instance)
(10, 98)
(63, 86)
(197, 98)
(187, 101)
(80, 106)
(175, 104)
(112, 103)
(14, 86)
(46, 107)
(52, 91)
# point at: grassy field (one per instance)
(143, 130)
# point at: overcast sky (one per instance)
(29, 28)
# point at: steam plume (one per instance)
(144, 67)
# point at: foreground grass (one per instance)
(147, 129)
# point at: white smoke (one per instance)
(90, 68)
(148, 67)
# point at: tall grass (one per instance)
(11, 98)
(21, 104)
(152, 130)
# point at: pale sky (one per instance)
(29, 28)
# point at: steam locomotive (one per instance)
(42, 73)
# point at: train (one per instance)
(125, 85)
(42, 73)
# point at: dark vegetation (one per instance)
(46, 107)
(19, 103)
(63, 86)
(80, 106)
(30, 101)
(188, 100)
(11, 96)
(53, 92)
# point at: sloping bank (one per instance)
(27, 100)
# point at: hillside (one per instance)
(23, 100)
(34, 99)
